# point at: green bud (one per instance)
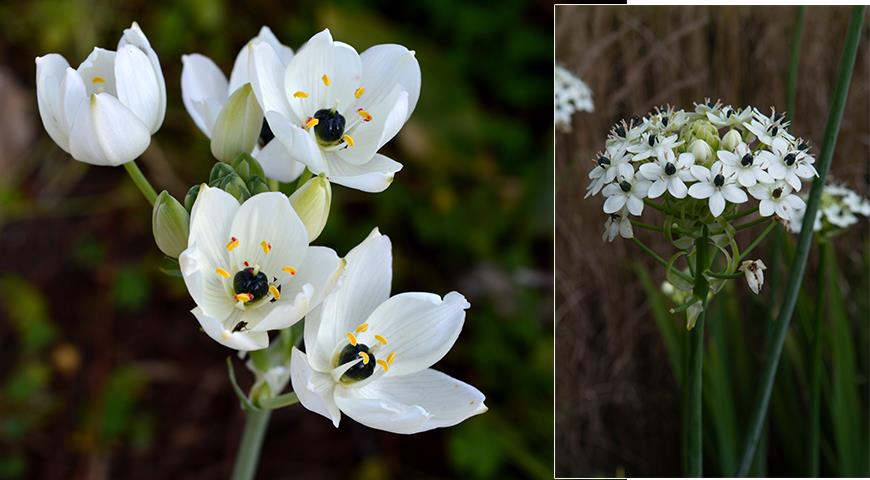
(247, 166)
(237, 126)
(731, 140)
(170, 223)
(236, 187)
(311, 203)
(220, 172)
(700, 129)
(256, 185)
(702, 152)
(190, 198)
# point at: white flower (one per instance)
(796, 218)
(570, 95)
(743, 163)
(776, 198)
(666, 120)
(608, 165)
(653, 146)
(205, 91)
(839, 215)
(729, 117)
(782, 163)
(368, 354)
(716, 185)
(768, 129)
(104, 112)
(617, 224)
(856, 203)
(333, 109)
(249, 267)
(709, 106)
(627, 191)
(754, 270)
(731, 140)
(669, 173)
(626, 133)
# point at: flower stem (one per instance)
(753, 223)
(658, 206)
(140, 181)
(693, 420)
(646, 226)
(248, 455)
(816, 381)
(757, 240)
(659, 259)
(838, 103)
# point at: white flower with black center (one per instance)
(783, 163)
(709, 106)
(754, 272)
(856, 203)
(653, 145)
(729, 117)
(249, 268)
(743, 163)
(716, 185)
(669, 173)
(570, 95)
(839, 215)
(776, 198)
(617, 224)
(666, 121)
(627, 191)
(368, 355)
(608, 165)
(768, 129)
(626, 133)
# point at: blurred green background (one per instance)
(105, 372)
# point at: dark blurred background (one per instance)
(105, 372)
(617, 398)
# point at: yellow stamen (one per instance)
(362, 328)
(98, 79)
(381, 340)
(358, 92)
(300, 94)
(384, 365)
(266, 246)
(348, 140)
(366, 116)
(244, 297)
(220, 271)
(325, 79)
(365, 357)
(289, 269)
(312, 122)
(391, 357)
(275, 292)
(234, 242)
(351, 338)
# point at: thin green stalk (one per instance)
(791, 89)
(757, 240)
(140, 181)
(646, 226)
(838, 103)
(741, 214)
(661, 260)
(816, 385)
(256, 422)
(753, 223)
(658, 207)
(694, 406)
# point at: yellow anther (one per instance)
(300, 94)
(362, 328)
(348, 140)
(365, 357)
(381, 340)
(220, 271)
(234, 242)
(325, 79)
(351, 338)
(98, 79)
(244, 297)
(384, 365)
(391, 357)
(275, 292)
(366, 116)
(266, 246)
(358, 92)
(312, 122)
(288, 269)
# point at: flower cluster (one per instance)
(570, 95)
(839, 208)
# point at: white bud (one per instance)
(170, 224)
(237, 126)
(311, 203)
(731, 140)
(702, 151)
(754, 271)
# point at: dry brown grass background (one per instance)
(617, 404)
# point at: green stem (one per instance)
(724, 276)
(791, 89)
(757, 240)
(248, 455)
(741, 214)
(661, 260)
(140, 181)
(816, 384)
(646, 226)
(658, 207)
(835, 116)
(753, 223)
(694, 419)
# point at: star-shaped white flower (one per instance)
(249, 267)
(333, 109)
(729, 117)
(608, 165)
(716, 185)
(768, 129)
(783, 163)
(669, 173)
(628, 191)
(776, 198)
(743, 163)
(653, 145)
(617, 224)
(368, 355)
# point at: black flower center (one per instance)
(670, 169)
(266, 134)
(603, 161)
(330, 125)
(719, 180)
(710, 103)
(728, 112)
(664, 121)
(746, 160)
(789, 159)
(625, 186)
(651, 140)
(363, 369)
(803, 147)
(620, 131)
(773, 129)
(246, 282)
(777, 192)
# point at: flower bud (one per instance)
(311, 203)
(235, 186)
(237, 126)
(702, 151)
(247, 166)
(170, 224)
(700, 129)
(256, 185)
(219, 172)
(731, 140)
(190, 197)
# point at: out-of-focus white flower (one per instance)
(754, 271)
(617, 224)
(105, 111)
(570, 95)
(669, 173)
(716, 185)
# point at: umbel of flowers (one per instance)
(705, 173)
(570, 94)
(839, 209)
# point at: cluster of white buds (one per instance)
(570, 95)
(840, 208)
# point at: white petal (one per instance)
(203, 87)
(298, 143)
(677, 188)
(98, 71)
(73, 95)
(374, 176)
(412, 403)
(277, 163)
(762, 176)
(635, 205)
(614, 203)
(746, 178)
(717, 203)
(134, 36)
(210, 221)
(243, 341)
(314, 389)
(657, 188)
(734, 194)
(420, 328)
(50, 73)
(701, 190)
(651, 171)
(266, 73)
(384, 66)
(137, 86)
(388, 117)
(766, 208)
(213, 297)
(777, 170)
(700, 173)
(107, 133)
(728, 157)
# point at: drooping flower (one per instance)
(333, 109)
(368, 355)
(617, 224)
(105, 111)
(776, 198)
(669, 173)
(716, 185)
(743, 163)
(249, 267)
(754, 271)
(570, 95)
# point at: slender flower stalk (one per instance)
(694, 425)
(838, 103)
(248, 455)
(816, 381)
(141, 182)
